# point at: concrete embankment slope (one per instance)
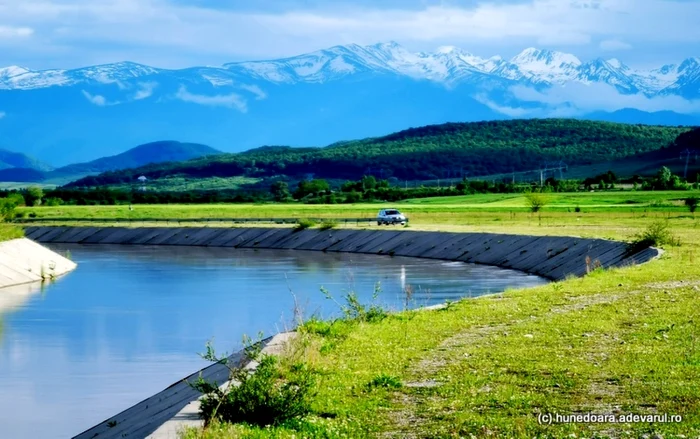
(23, 261)
(547, 256)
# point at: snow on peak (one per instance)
(615, 63)
(543, 66)
(447, 49)
(532, 56)
(689, 63)
(8, 72)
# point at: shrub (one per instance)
(304, 223)
(327, 329)
(328, 224)
(7, 209)
(692, 204)
(53, 201)
(535, 201)
(269, 395)
(656, 234)
(577, 209)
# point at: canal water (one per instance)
(131, 320)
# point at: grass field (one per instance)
(617, 342)
(8, 231)
(428, 210)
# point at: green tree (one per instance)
(663, 178)
(368, 182)
(313, 187)
(33, 196)
(280, 191)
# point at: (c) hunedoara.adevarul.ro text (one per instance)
(592, 418)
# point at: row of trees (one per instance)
(366, 189)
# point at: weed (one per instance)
(328, 224)
(355, 310)
(385, 381)
(269, 395)
(692, 204)
(591, 266)
(304, 223)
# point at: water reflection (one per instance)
(130, 320)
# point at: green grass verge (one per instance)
(9, 231)
(617, 342)
(429, 210)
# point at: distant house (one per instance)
(142, 179)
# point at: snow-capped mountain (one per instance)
(321, 97)
(448, 65)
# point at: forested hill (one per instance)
(429, 152)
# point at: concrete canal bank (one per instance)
(23, 261)
(547, 256)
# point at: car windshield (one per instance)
(392, 212)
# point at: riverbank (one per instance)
(617, 342)
(24, 261)
(548, 256)
(554, 257)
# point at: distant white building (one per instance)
(142, 179)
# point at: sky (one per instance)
(42, 34)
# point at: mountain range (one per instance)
(26, 169)
(352, 91)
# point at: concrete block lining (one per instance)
(552, 257)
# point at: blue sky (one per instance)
(43, 34)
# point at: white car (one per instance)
(391, 216)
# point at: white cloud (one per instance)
(98, 100)
(105, 79)
(69, 26)
(257, 91)
(576, 99)
(505, 109)
(231, 100)
(145, 90)
(614, 45)
(15, 32)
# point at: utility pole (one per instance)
(687, 159)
